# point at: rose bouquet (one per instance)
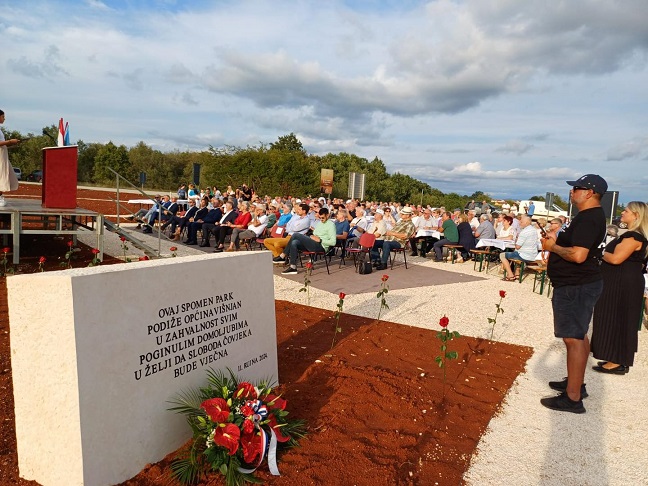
(236, 425)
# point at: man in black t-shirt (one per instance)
(573, 269)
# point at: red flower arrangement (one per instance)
(173, 251)
(235, 425)
(41, 262)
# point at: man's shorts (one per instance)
(573, 306)
(514, 255)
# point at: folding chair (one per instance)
(395, 251)
(365, 243)
(312, 255)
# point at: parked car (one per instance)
(541, 210)
(35, 176)
(478, 208)
(18, 173)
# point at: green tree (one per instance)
(86, 160)
(116, 158)
(289, 143)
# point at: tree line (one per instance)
(279, 168)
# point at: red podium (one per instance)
(60, 177)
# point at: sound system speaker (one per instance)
(608, 203)
(196, 174)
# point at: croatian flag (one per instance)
(61, 134)
(66, 137)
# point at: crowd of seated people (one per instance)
(241, 214)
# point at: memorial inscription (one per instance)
(194, 334)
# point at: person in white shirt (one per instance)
(472, 219)
(378, 227)
(254, 230)
(526, 249)
(424, 223)
(359, 225)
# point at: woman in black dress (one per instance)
(618, 312)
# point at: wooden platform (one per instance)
(27, 216)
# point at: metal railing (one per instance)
(155, 203)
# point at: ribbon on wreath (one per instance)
(272, 453)
(260, 413)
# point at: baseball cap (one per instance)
(591, 181)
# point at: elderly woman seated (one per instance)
(526, 248)
(507, 232)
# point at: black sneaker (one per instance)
(289, 270)
(278, 260)
(562, 403)
(561, 386)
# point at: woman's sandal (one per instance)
(509, 279)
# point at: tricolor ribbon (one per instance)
(272, 453)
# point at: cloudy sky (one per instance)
(511, 97)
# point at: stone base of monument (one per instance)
(97, 353)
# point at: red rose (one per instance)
(70, 243)
(251, 444)
(143, 258)
(275, 403)
(502, 293)
(248, 426)
(216, 409)
(309, 265)
(247, 411)
(342, 295)
(228, 437)
(42, 260)
(444, 321)
(95, 251)
(385, 278)
(6, 249)
(122, 238)
(173, 248)
(245, 390)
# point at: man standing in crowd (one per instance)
(574, 272)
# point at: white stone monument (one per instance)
(98, 352)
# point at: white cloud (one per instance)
(428, 87)
(518, 147)
(631, 149)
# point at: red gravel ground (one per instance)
(374, 403)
